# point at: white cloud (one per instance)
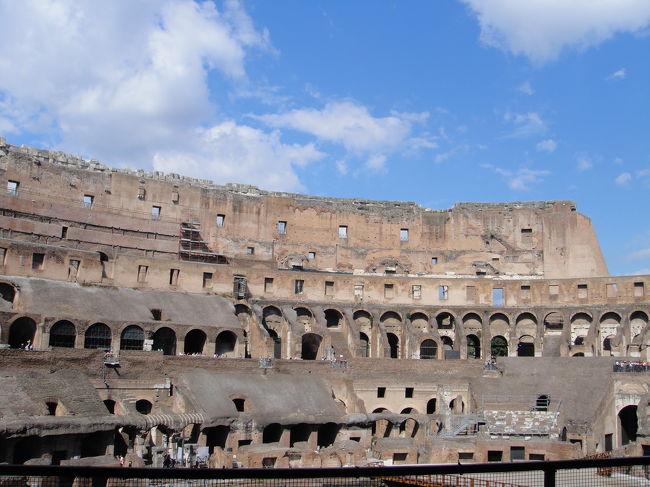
(346, 123)
(526, 88)
(584, 163)
(548, 145)
(376, 163)
(341, 167)
(542, 29)
(620, 74)
(119, 80)
(521, 179)
(618, 160)
(229, 152)
(525, 124)
(623, 179)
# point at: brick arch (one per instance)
(386, 315)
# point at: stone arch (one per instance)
(472, 323)
(628, 423)
(164, 339)
(364, 345)
(333, 318)
(63, 334)
(473, 347)
(391, 318)
(304, 316)
(638, 322)
(271, 316)
(499, 346)
(21, 332)
(420, 321)
(580, 325)
(310, 346)
(445, 320)
(526, 324)
(393, 345)
(609, 325)
(362, 318)
(526, 346)
(457, 405)
(500, 325)
(242, 309)
(432, 405)
(7, 295)
(132, 338)
(225, 344)
(553, 321)
(409, 410)
(195, 342)
(277, 343)
(409, 428)
(298, 433)
(428, 349)
(447, 343)
(98, 336)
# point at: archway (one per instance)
(428, 349)
(393, 344)
(272, 433)
(98, 336)
(7, 294)
(299, 432)
(526, 346)
(498, 347)
(445, 321)
(333, 318)
(420, 321)
(327, 434)
(431, 405)
(132, 338)
(364, 345)
(554, 321)
(447, 343)
(194, 342)
(143, 406)
(225, 343)
(63, 334)
(473, 347)
(165, 339)
(310, 345)
(21, 332)
(629, 424)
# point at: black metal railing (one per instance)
(592, 472)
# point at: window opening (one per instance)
(408, 392)
(282, 227)
(207, 280)
(417, 291)
(443, 292)
(639, 289)
(311, 255)
(343, 231)
(381, 392)
(142, 273)
(298, 286)
(329, 288)
(389, 290)
(37, 261)
(88, 200)
(404, 235)
(268, 284)
(434, 260)
(73, 269)
(220, 220)
(155, 212)
(250, 250)
(12, 187)
(173, 276)
(498, 296)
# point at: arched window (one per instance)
(429, 349)
(447, 343)
(629, 423)
(98, 336)
(277, 344)
(310, 346)
(132, 338)
(194, 342)
(499, 347)
(143, 406)
(164, 339)
(225, 343)
(21, 332)
(473, 347)
(62, 334)
(431, 406)
(333, 318)
(526, 346)
(393, 344)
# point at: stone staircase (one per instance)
(520, 423)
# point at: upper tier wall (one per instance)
(111, 210)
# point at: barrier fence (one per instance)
(630, 471)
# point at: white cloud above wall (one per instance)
(542, 29)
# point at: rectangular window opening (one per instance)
(3, 256)
(404, 235)
(408, 392)
(37, 261)
(470, 294)
(639, 289)
(299, 285)
(282, 228)
(142, 273)
(381, 392)
(612, 290)
(73, 269)
(207, 280)
(220, 220)
(434, 260)
(329, 288)
(311, 255)
(389, 290)
(343, 231)
(553, 290)
(525, 292)
(358, 291)
(155, 212)
(494, 455)
(417, 291)
(64, 232)
(173, 276)
(268, 284)
(250, 250)
(443, 292)
(156, 314)
(88, 200)
(12, 187)
(583, 291)
(517, 453)
(498, 296)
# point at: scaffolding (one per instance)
(192, 247)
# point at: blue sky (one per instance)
(428, 101)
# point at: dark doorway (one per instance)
(629, 424)
(393, 343)
(62, 334)
(21, 333)
(310, 345)
(194, 342)
(164, 339)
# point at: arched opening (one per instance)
(216, 437)
(132, 338)
(578, 354)
(304, 316)
(310, 345)
(428, 349)
(143, 406)
(327, 434)
(194, 342)
(98, 336)
(447, 343)
(271, 317)
(420, 321)
(473, 347)
(272, 433)
(51, 407)
(445, 321)
(393, 344)
(580, 340)
(110, 405)
(526, 346)
(629, 424)
(408, 428)
(63, 334)
(333, 318)
(607, 343)
(554, 321)
(240, 404)
(364, 345)
(409, 411)
(21, 332)
(431, 406)
(457, 405)
(362, 318)
(225, 343)
(472, 323)
(103, 260)
(638, 321)
(299, 432)
(165, 339)
(498, 347)
(542, 402)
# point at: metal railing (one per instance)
(592, 472)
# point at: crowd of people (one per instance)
(628, 366)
